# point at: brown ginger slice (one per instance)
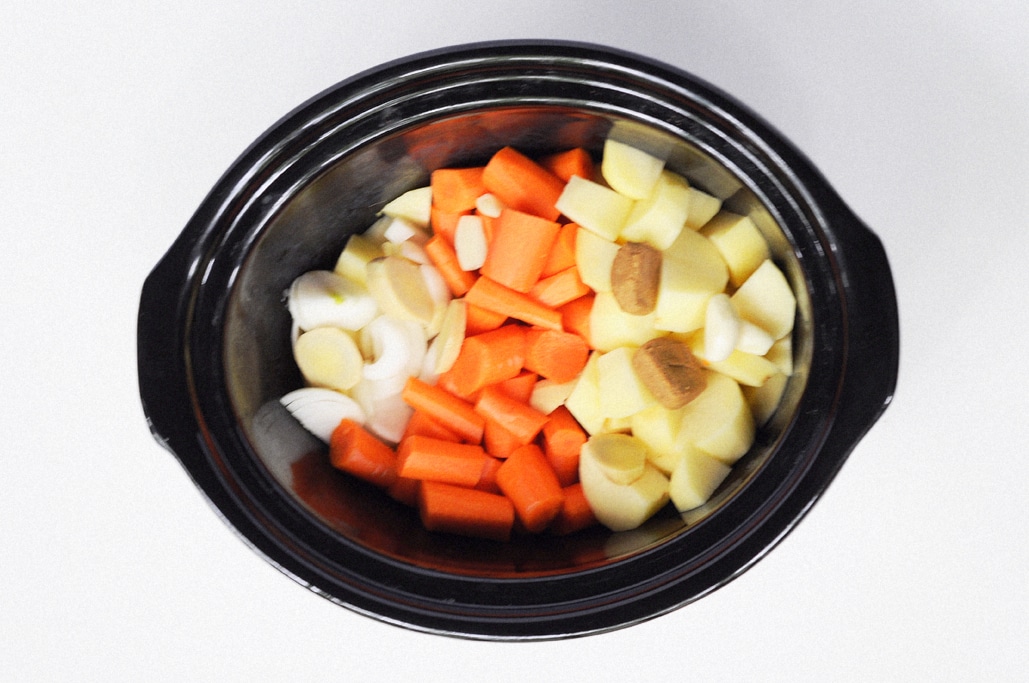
(635, 277)
(670, 371)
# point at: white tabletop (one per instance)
(116, 120)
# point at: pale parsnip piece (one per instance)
(629, 170)
(766, 300)
(400, 289)
(594, 257)
(718, 421)
(740, 243)
(764, 400)
(621, 507)
(321, 298)
(414, 205)
(594, 207)
(446, 345)
(621, 391)
(584, 400)
(353, 260)
(657, 219)
(328, 357)
(548, 395)
(470, 242)
(696, 476)
(441, 297)
(620, 457)
(611, 327)
(721, 328)
(703, 207)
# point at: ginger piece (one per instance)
(635, 276)
(670, 371)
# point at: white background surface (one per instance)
(115, 120)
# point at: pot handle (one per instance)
(873, 327)
(160, 351)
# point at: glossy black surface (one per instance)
(214, 351)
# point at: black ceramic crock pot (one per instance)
(214, 351)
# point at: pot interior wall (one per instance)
(309, 232)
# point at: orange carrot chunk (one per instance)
(488, 358)
(493, 296)
(527, 479)
(429, 459)
(357, 451)
(405, 491)
(520, 386)
(562, 255)
(559, 356)
(488, 479)
(455, 190)
(522, 184)
(455, 414)
(498, 441)
(576, 513)
(563, 438)
(521, 419)
(560, 288)
(424, 424)
(465, 511)
(443, 256)
(444, 223)
(575, 161)
(575, 316)
(479, 320)
(520, 244)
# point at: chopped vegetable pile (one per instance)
(542, 345)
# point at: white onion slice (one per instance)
(321, 298)
(320, 411)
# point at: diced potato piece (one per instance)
(594, 207)
(621, 507)
(547, 394)
(691, 273)
(413, 205)
(703, 207)
(618, 425)
(752, 339)
(766, 300)
(353, 260)
(620, 457)
(719, 421)
(781, 354)
(628, 170)
(611, 327)
(584, 400)
(695, 478)
(741, 244)
(764, 400)
(621, 391)
(657, 219)
(658, 428)
(594, 256)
